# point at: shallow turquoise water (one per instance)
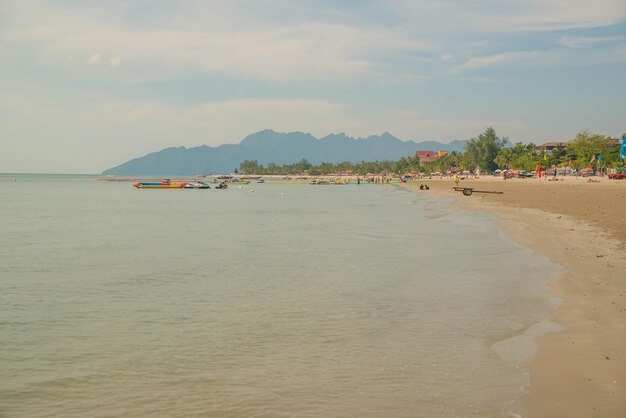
(294, 300)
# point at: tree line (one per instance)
(486, 152)
(305, 167)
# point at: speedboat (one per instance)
(165, 184)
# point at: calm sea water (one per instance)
(292, 301)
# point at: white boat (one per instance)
(197, 185)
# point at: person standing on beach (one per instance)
(457, 179)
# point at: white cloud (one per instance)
(587, 41)
(489, 16)
(115, 62)
(94, 59)
(526, 58)
(284, 52)
(298, 42)
(447, 57)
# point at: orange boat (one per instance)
(167, 184)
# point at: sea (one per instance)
(265, 300)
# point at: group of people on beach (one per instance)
(424, 187)
(376, 179)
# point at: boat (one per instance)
(337, 181)
(197, 185)
(319, 182)
(260, 181)
(165, 184)
(236, 180)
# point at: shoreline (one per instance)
(576, 371)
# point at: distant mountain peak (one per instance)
(268, 137)
(268, 146)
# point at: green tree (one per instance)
(303, 165)
(558, 156)
(482, 151)
(272, 169)
(588, 146)
(505, 158)
(346, 167)
(250, 167)
(401, 166)
(453, 161)
(519, 156)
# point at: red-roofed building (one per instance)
(427, 156)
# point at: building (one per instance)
(548, 147)
(427, 156)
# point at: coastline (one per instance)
(577, 371)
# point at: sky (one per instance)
(86, 85)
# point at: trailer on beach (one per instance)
(467, 191)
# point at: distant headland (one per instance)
(268, 146)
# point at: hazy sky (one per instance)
(86, 84)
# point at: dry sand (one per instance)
(581, 371)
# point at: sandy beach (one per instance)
(580, 371)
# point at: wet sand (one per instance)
(581, 371)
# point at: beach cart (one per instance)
(467, 191)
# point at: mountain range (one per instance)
(268, 146)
